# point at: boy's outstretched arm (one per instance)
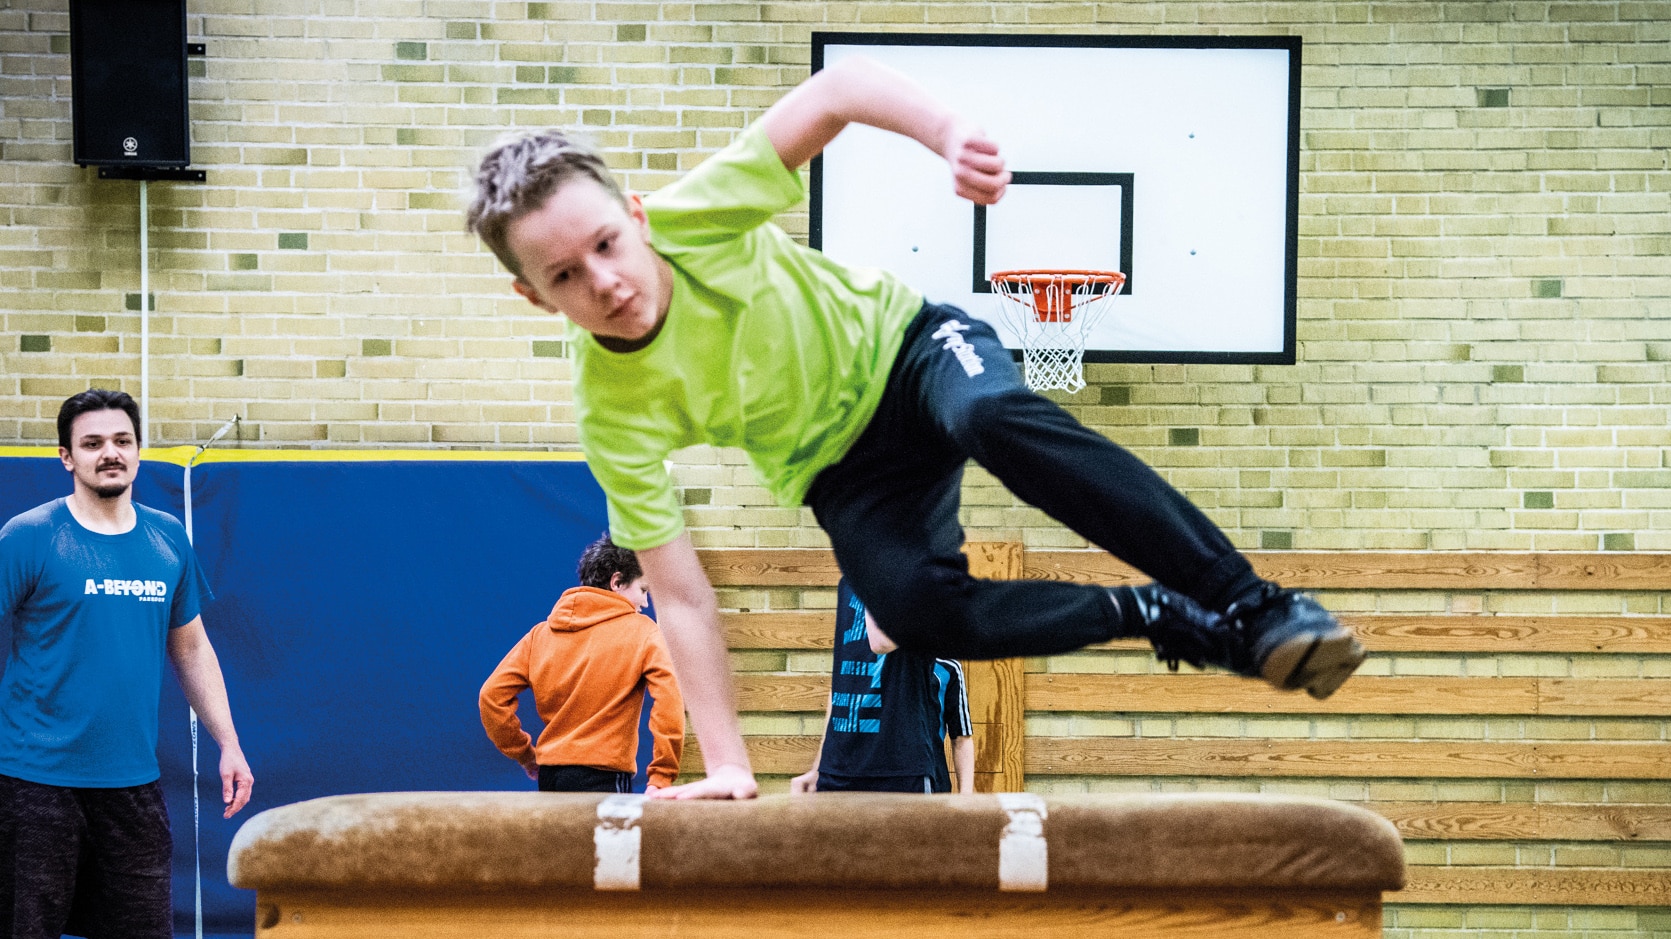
(860, 90)
(688, 614)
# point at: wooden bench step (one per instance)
(1527, 821)
(1190, 694)
(1384, 633)
(1310, 570)
(1261, 758)
(1351, 759)
(1365, 694)
(1533, 886)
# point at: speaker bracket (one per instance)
(151, 173)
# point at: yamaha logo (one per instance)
(130, 146)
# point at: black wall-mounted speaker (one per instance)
(128, 83)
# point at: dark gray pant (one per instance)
(890, 505)
(830, 782)
(583, 779)
(89, 862)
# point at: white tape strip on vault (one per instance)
(1023, 856)
(616, 840)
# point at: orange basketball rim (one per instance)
(1054, 295)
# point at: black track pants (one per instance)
(890, 505)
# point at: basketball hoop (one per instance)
(1051, 313)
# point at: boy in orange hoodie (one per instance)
(589, 664)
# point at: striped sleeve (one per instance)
(954, 711)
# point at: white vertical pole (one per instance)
(196, 835)
(144, 313)
(196, 808)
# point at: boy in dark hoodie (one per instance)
(589, 664)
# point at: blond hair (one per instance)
(518, 174)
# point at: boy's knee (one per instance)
(932, 617)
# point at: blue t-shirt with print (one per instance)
(884, 713)
(89, 616)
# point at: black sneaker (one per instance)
(1288, 639)
(1180, 629)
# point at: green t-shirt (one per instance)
(768, 346)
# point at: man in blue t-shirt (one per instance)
(98, 589)
(882, 732)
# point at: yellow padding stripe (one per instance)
(180, 455)
(370, 456)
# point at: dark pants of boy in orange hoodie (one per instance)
(583, 779)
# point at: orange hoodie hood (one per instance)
(584, 607)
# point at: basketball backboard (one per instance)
(1174, 160)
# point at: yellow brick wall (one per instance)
(1485, 252)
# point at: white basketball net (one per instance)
(1050, 313)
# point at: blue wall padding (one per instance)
(359, 605)
(28, 481)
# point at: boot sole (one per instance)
(1319, 663)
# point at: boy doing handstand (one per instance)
(698, 321)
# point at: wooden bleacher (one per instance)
(1570, 807)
